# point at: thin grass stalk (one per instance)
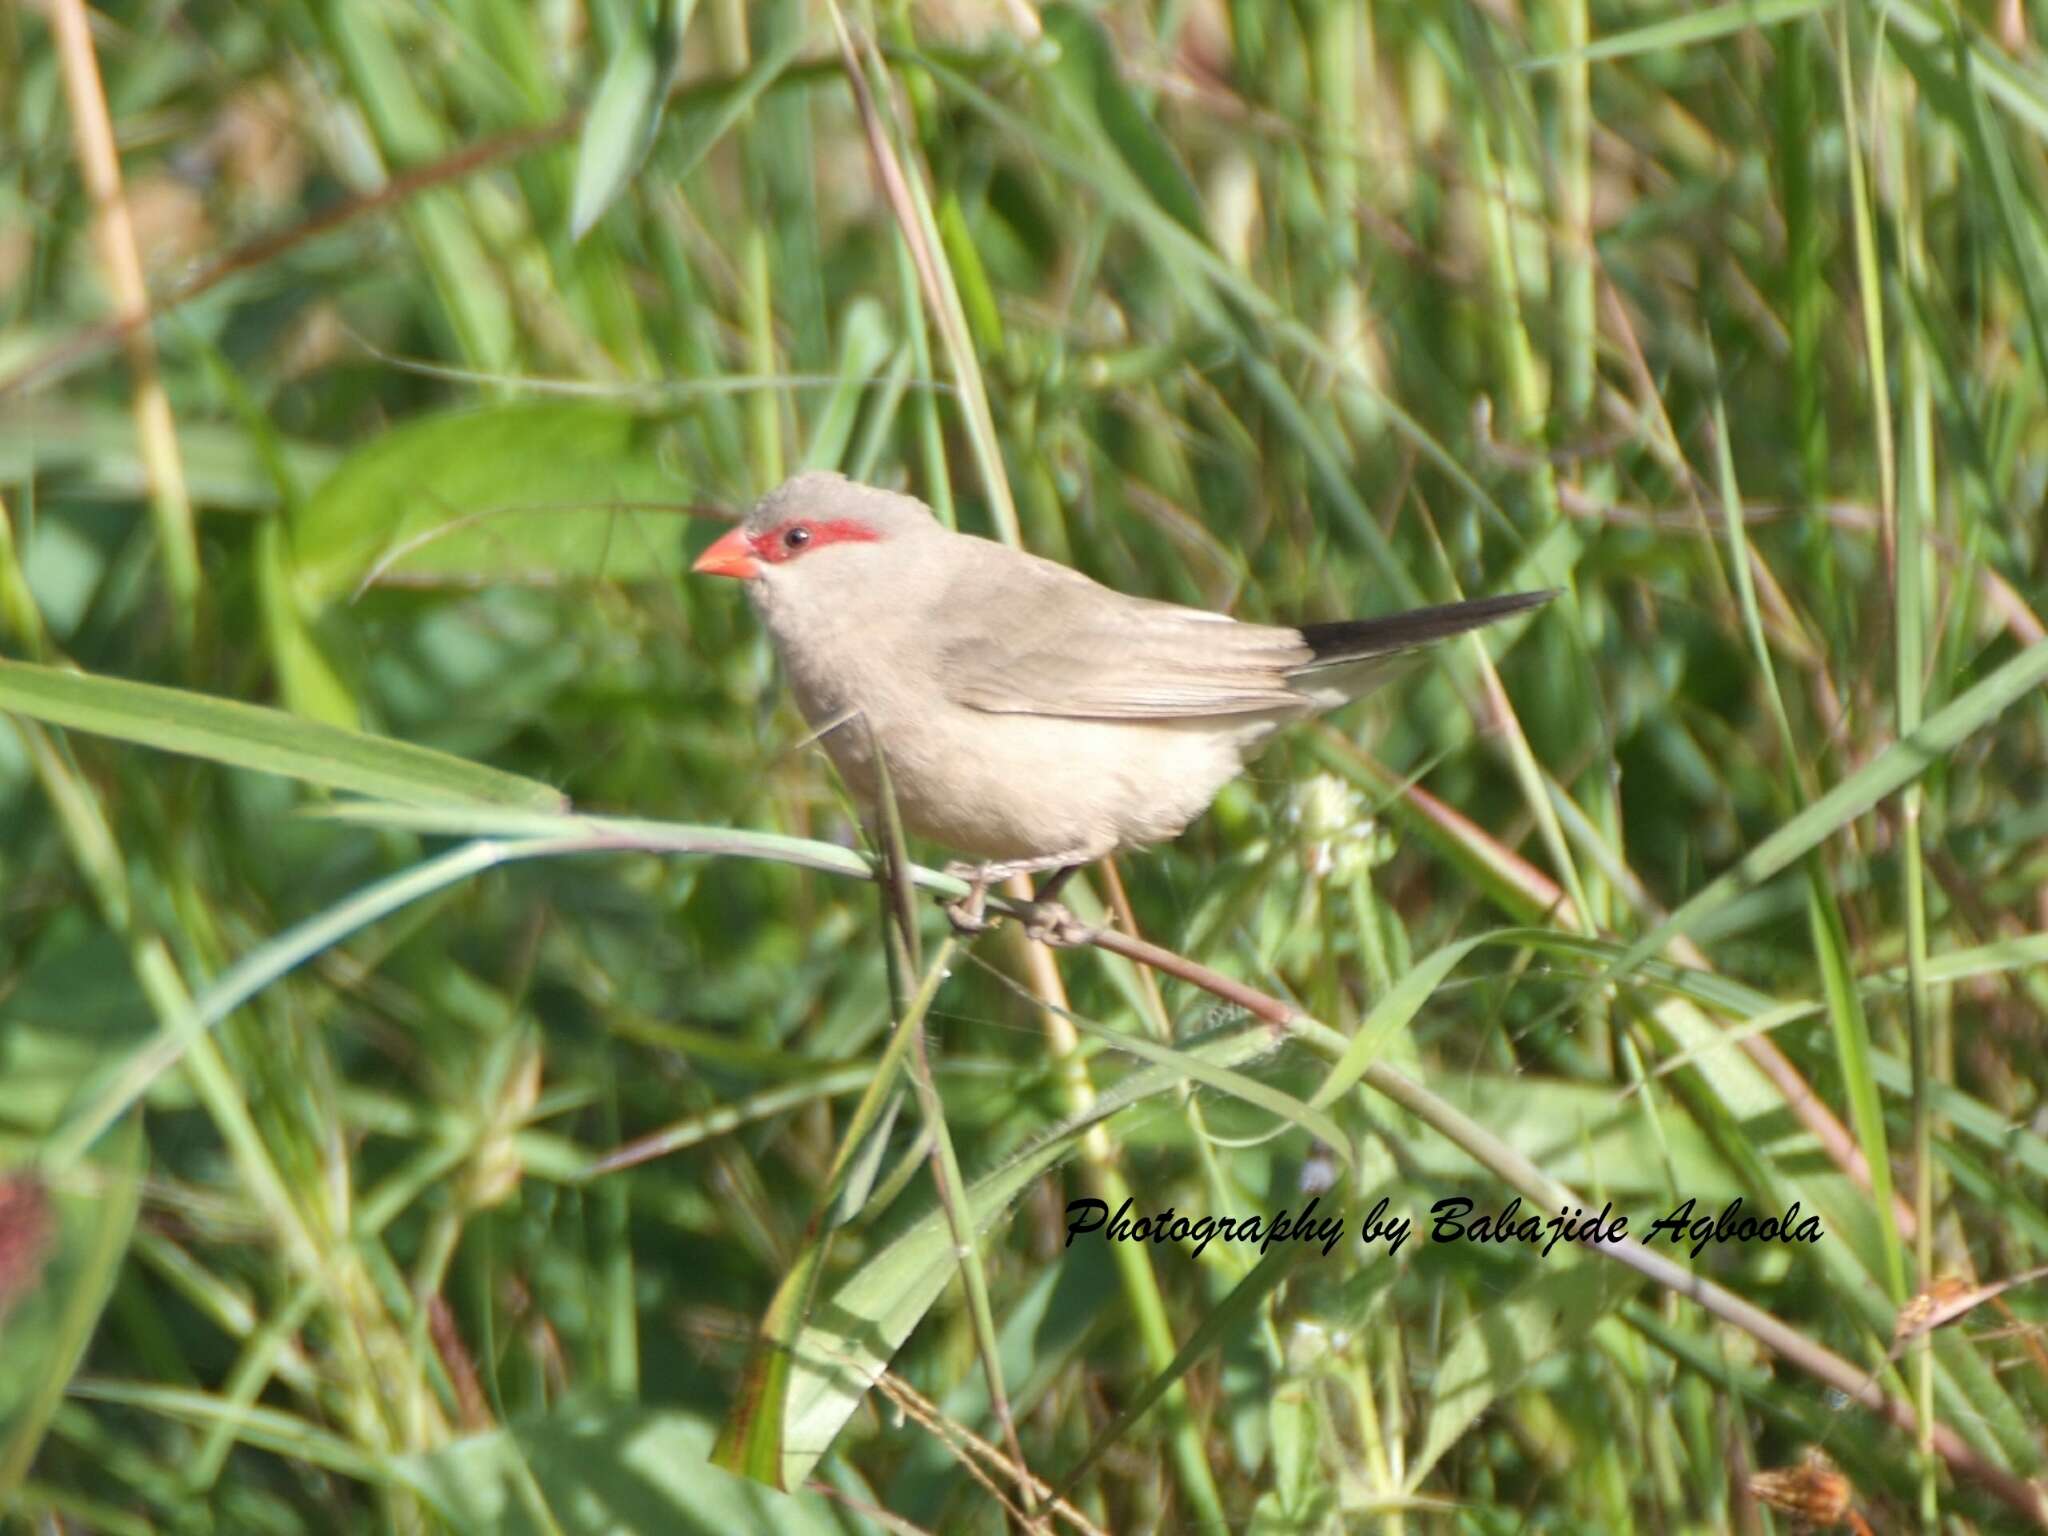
(1870, 285)
(743, 1446)
(429, 1273)
(920, 238)
(1528, 400)
(263, 1350)
(954, 329)
(931, 426)
(1161, 1024)
(757, 287)
(1575, 301)
(114, 230)
(1804, 287)
(727, 1117)
(1917, 491)
(764, 413)
(1578, 334)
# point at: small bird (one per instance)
(1028, 716)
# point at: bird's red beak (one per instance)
(730, 556)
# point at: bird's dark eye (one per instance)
(796, 538)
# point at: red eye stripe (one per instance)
(770, 549)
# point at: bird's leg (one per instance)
(1053, 924)
(1049, 887)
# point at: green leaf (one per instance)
(530, 491)
(1092, 89)
(269, 740)
(1292, 1421)
(1392, 1013)
(618, 130)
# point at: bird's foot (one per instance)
(1052, 925)
(967, 913)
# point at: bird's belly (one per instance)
(1007, 787)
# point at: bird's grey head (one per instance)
(823, 531)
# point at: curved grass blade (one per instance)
(1392, 1013)
(268, 740)
(268, 961)
(619, 128)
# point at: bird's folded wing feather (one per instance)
(1070, 647)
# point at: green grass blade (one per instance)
(619, 127)
(268, 740)
(276, 958)
(1689, 30)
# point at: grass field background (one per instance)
(387, 1148)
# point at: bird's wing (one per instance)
(1017, 635)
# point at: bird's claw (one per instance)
(1052, 925)
(966, 913)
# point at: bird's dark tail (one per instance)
(1351, 640)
